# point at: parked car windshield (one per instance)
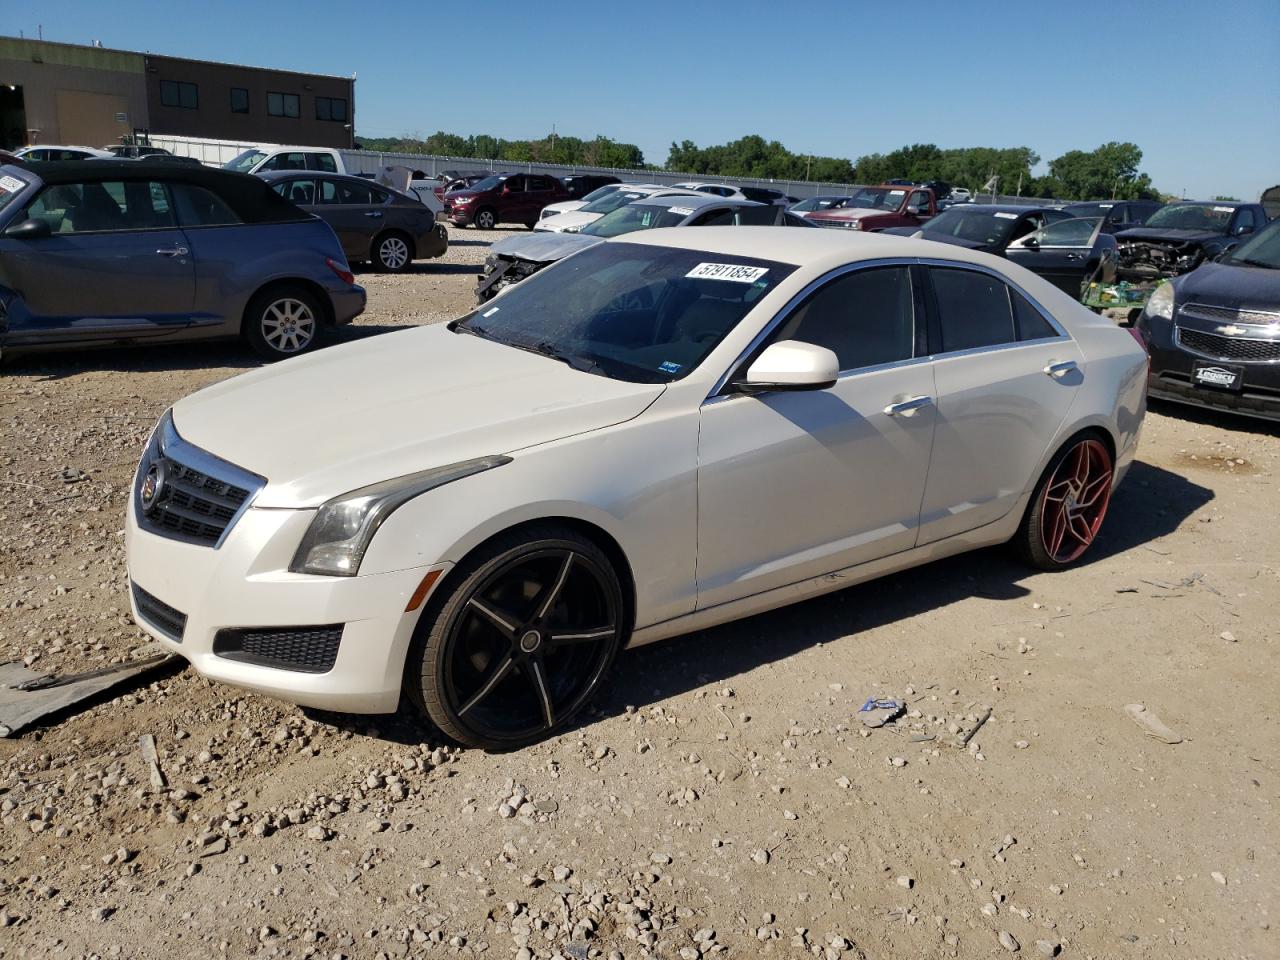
(816, 203)
(1261, 250)
(245, 162)
(1089, 209)
(604, 191)
(629, 311)
(612, 201)
(488, 183)
(646, 216)
(877, 199)
(1192, 216)
(980, 226)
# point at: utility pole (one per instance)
(808, 162)
(553, 143)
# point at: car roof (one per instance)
(999, 208)
(1212, 203)
(327, 174)
(60, 146)
(695, 201)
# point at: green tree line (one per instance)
(596, 152)
(1110, 170)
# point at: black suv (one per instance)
(580, 184)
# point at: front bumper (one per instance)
(245, 583)
(1172, 378)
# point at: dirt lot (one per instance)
(721, 797)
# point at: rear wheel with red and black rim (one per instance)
(518, 639)
(1069, 504)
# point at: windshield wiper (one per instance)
(548, 349)
(463, 326)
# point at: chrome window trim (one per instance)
(790, 306)
(168, 443)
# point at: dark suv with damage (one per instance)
(1213, 335)
(1178, 238)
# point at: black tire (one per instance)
(531, 224)
(266, 322)
(499, 662)
(485, 219)
(392, 252)
(1079, 513)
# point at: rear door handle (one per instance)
(908, 407)
(173, 251)
(1060, 368)
(374, 213)
(1075, 256)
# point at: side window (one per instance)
(355, 193)
(198, 207)
(377, 196)
(919, 199)
(757, 216)
(322, 161)
(973, 309)
(714, 218)
(300, 191)
(1067, 233)
(1031, 322)
(539, 183)
(99, 207)
(285, 161)
(514, 184)
(1244, 218)
(866, 317)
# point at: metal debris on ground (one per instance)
(27, 697)
(876, 713)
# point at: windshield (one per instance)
(877, 198)
(245, 162)
(1261, 250)
(1192, 216)
(979, 226)
(488, 183)
(629, 311)
(645, 216)
(816, 203)
(599, 192)
(612, 201)
(1089, 209)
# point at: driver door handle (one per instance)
(173, 251)
(1060, 368)
(908, 407)
(374, 213)
(1075, 256)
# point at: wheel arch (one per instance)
(321, 295)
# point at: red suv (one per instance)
(504, 198)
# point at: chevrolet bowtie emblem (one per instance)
(1231, 330)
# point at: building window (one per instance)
(331, 108)
(283, 105)
(174, 93)
(239, 100)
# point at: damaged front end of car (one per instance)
(500, 272)
(1145, 260)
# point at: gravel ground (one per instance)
(721, 797)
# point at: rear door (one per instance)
(1006, 376)
(117, 264)
(348, 207)
(1062, 252)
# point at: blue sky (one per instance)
(1196, 85)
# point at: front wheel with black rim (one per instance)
(282, 322)
(391, 252)
(1068, 506)
(518, 639)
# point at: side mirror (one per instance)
(914, 209)
(792, 365)
(1031, 243)
(1243, 229)
(33, 229)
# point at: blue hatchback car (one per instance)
(105, 252)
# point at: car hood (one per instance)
(564, 206)
(542, 246)
(342, 418)
(1167, 235)
(848, 213)
(563, 221)
(1224, 285)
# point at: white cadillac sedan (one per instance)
(661, 433)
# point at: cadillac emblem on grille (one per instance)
(152, 487)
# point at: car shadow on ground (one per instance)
(1209, 417)
(1151, 504)
(468, 243)
(134, 359)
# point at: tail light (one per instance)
(344, 274)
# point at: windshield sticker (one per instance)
(11, 184)
(1224, 209)
(682, 211)
(490, 312)
(670, 366)
(1106, 206)
(1006, 216)
(737, 272)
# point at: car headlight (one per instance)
(343, 528)
(462, 201)
(1160, 303)
(572, 228)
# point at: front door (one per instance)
(116, 264)
(793, 485)
(1006, 377)
(1062, 252)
